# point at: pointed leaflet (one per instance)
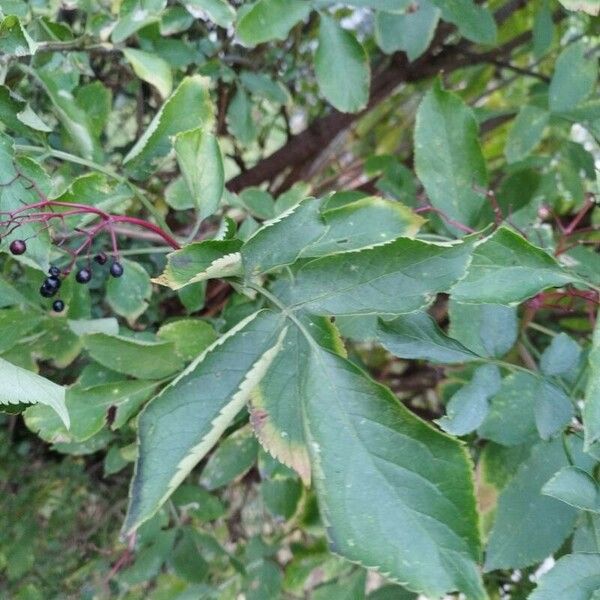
(364, 223)
(188, 107)
(394, 493)
(280, 241)
(474, 22)
(521, 534)
(180, 425)
(219, 11)
(310, 230)
(151, 68)
(468, 407)
(591, 408)
(340, 53)
(20, 386)
(507, 269)
(410, 31)
(575, 487)
(200, 261)
(267, 20)
(201, 164)
(448, 157)
(573, 577)
(417, 335)
(526, 132)
(397, 278)
(275, 405)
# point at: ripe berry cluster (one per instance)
(51, 285)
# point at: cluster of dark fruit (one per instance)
(52, 283)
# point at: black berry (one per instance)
(18, 247)
(83, 276)
(101, 258)
(46, 291)
(116, 269)
(54, 271)
(58, 306)
(52, 283)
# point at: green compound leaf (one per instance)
(448, 157)
(267, 20)
(474, 22)
(14, 39)
(180, 425)
(340, 52)
(397, 278)
(395, 494)
(20, 386)
(507, 269)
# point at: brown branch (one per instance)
(304, 146)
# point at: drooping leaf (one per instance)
(411, 31)
(397, 278)
(575, 77)
(234, 456)
(180, 425)
(240, 121)
(416, 335)
(200, 261)
(561, 356)
(575, 487)
(526, 132)
(15, 323)
(574, 576)
(20, 386)
(190, 336)
(90, 409)
(276, 402)
(134, 15)
(468, 407)
(507, 269)
(219, 11)
(199, 158)
(14, 39)
(128, 295)
(520, 535)
(591, 408)
(340, 52)
(448, 157)
(364, 223)
(188, 107)
(474, 22)
(138, 358)
(486, 329)
(151, 68)
(380, 474)
(281, 241)
(267, 20)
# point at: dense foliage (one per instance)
(317, 281)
